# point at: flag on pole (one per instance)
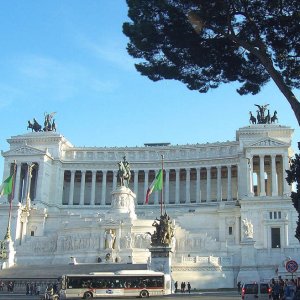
(156, 185)
(6, 186)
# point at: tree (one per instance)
(293, 175)
(204, 43)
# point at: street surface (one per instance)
(222, 295)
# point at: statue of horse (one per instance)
(252, 118)
(274, 117)
(53, 126)
(123, 174)
(268, 118)
(35, 126)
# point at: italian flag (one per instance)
(156, 185)
(6, 186)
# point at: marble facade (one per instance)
(67, 201)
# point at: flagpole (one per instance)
(7, 235)
(162, 186)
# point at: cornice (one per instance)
(25, 151)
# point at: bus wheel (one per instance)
(144, 294)
(87, 295)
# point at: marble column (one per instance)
(219, 184)
(157, 194)
(82, 187)
(114, 185)
(177, 186)
(262, 175)
(136, 182)
(198, 186)
(250, 174)
(71, 193)
(285, 163)
(93, 191)
(286, 234)
(208, 184)
(17, 183)
(188, 186)
(146, 182)
(229, 189)
(103, 194)
(167, 187)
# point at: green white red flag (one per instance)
(6, 186)
(156, 185)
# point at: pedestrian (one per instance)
(27, 288)
(189, 287)
(176, 286)
(239, 287)
(38, 289)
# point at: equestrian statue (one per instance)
(124, 173)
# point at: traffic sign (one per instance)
(291, 266)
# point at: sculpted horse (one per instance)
(35, 126)
(252, 118)
(123, 174)
(274, 117)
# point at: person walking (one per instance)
(189, 287)
(239, 287)
(176, 286)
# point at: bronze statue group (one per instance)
(49, 124)
(261, 117)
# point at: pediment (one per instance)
(23, 151)
(267, 142)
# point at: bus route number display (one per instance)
(291, 266)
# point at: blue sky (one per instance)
(69, 57)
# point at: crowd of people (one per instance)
(281, 289)
(285, 289)
(184, 287)
(9, 285)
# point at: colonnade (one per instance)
(25, 181)
(267, 175)
(181, 185)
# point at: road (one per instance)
(224, 295)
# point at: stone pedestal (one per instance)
(9, 260)
(248, 269)
(161, 259)
(122, 202)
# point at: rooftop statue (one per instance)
(164, 233)
(124, 173)
(49, 123)
(262, 117)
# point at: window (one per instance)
(230, 230)
(32, 233)
(275, 215)
(275, 237)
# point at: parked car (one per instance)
(255, 291)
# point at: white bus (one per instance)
(135, 283)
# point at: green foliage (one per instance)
(293, 176)
(205, 43)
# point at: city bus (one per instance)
(135, 283)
